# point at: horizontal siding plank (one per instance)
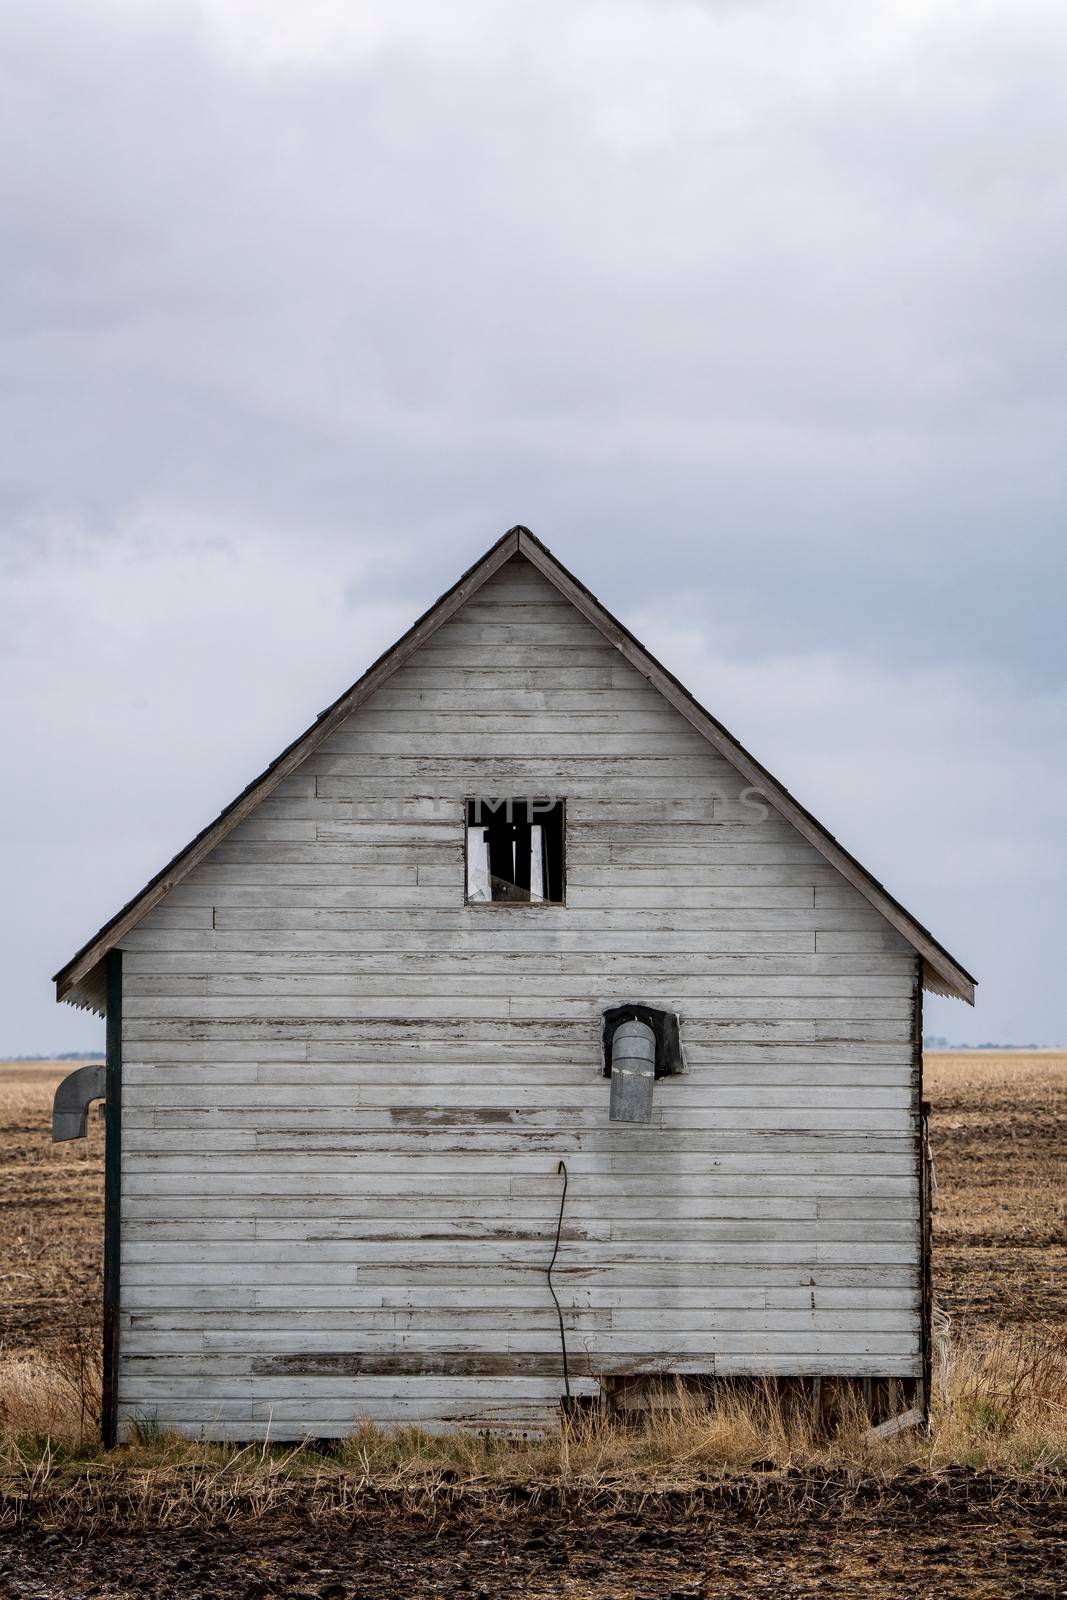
(399, 906)
(229, 1376)
(665, 1278)
(721, 1076)
(624, 1261)
(466, 726)
(525, 741)
(376, 885)
(879, 1039)
(372, 1041)
(531, 1042)
(482, 679)
(379, 1216)
(567, 698)
(450, 1187)
(323, 1212)
(398, 860)
(540, 975)
(273, 1259)
(829, 975)
(317, 1210)
(212, 1388)
(416, 1302)
(497, 1331)
(634, 776)
(476, 997)
(390, 931)
(878, 1113)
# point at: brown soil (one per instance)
(959, 1534)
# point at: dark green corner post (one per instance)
(920, 1110)
(112, 1199)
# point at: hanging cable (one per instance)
(562, 1168)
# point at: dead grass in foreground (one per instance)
(1005, 1414)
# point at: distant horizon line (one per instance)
(62, 1055)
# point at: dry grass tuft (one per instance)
(1006, 1403)
(53, 1397)
(1005, 1413)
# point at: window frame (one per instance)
(521, 905)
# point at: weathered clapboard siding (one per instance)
(346, 1093)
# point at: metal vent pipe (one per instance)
(633, 1072)
(70, 1108)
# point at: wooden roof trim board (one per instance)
(80, 981)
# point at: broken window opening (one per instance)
(515, 851)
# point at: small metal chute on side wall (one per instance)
(633, 1072)
(641, 1044)
(70, 1105)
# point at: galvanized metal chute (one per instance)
(633, 1072)
(72, 1099)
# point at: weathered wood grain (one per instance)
(347, 1092)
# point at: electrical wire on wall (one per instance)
(561, 1169)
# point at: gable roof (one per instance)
(81, 980)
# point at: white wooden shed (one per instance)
(356, 1026)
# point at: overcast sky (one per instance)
(753, 311)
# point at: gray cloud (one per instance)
(755, 315)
